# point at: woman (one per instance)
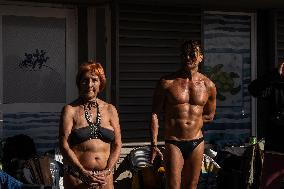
(89, 134)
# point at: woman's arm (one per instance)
(66, 124)
(116, 144)
(65, 128)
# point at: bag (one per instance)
(144, 174)
(39, 169)
(209, 165)
(148, 178)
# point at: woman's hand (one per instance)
(105, 172)
(92, 179)
(98, 180)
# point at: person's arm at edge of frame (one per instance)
(281, 69)
(260, 87)
(116, 144)
(66, 122)
(210, 107)
(157, 106)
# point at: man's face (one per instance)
(192, 57)
(89, 86)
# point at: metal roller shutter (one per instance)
(280, 36)
(149, 38)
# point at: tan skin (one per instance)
(188, 100)
(91, 155)
(281, 69)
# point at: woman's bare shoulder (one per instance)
(71, 107)
(109, 107)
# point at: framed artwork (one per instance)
(38, 54)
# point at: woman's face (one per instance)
(89, 86)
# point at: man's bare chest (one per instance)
(193, 92)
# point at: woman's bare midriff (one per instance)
(93, 154)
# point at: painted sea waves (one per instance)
(227, 52)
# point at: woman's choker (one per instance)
(90, 104)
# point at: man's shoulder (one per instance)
(206, 80)
(170, 76)
(167, 80)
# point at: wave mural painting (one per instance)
(227, 43)
(42, 127)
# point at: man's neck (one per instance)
(189, 73)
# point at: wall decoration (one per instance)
(35, 61)
(227, 61)
(225, 70)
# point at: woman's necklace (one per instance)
(94, 127)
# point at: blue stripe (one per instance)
(227, 139)
(27, 115)
(25, 127)
(227, 50)
(229, 17)
(224, 126)
(33, 121)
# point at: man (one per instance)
(271, 88)
(188, 100)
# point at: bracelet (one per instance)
(109, 170)
(154, 145)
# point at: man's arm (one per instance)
(210, 107)
(157, 106)
(116, 144)
(262, 86)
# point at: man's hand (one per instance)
(154, 152)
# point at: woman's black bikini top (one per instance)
(92, 131)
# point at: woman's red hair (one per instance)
(93, 68)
